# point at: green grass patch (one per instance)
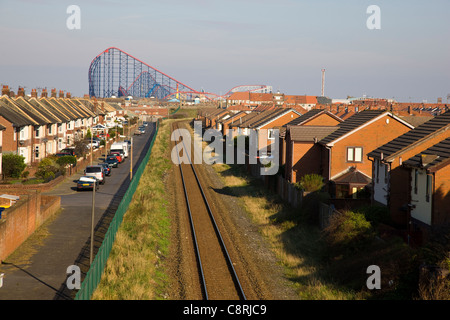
(134, 270)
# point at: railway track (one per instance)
(218, 277)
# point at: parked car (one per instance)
(87, 183)
(137, 132)
(142, 129)
(95, 171)
(112, 161)
(69, 151)
(106, 168)
(62, 154)
(95, 144)
(118, 155)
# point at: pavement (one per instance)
(43, 276)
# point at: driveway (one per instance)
(43, 276)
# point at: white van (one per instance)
(120, 146)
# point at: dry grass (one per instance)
(298, 248)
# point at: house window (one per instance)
(37, 132)
(354, 154)
(50, 129)
(270, 134)
(22, 133)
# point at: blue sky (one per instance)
(216, 45)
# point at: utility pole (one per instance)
(91, 145)
(323, 82)
(131, 159)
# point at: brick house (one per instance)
(40, 132)
(389, 176)
(17, 137)
(429, 189)
(264, 125)
(344, 164)
(225, 123)
(62, 124)
(298, 139)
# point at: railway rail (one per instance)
(218, 277)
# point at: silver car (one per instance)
(95, 171)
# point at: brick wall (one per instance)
(22, 219)
(306, 160)
(441, 197)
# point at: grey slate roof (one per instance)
(31, 111)
(14, 116)
(310, 133)
(352, 123)
(431, 157)
(54, 109)
(440, 122)
(309, 115)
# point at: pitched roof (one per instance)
(311, 114)
(17, 118)
(63, 109)
(309, 133)
(44, 111)
(425, 130)
(31, 111)
(353, 176)
(352, 123)
(54, 109)
(244, 119)
(10, 103)
(433, 158)
(263, 118)
(300, 99)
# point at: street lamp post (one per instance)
(91, 145)
(131, 159)
(92, 224)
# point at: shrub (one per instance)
(311, 182)
(65, 160)
(13, 165)
(348, 231)
(48, 168)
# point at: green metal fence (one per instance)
(175, 111)
(95, 272)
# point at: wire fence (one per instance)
(95, 272)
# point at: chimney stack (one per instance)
(95, 103)
(21, 92)
(61, 94)
(68, 95)
(33, 93)
(53, 93)
(5, 90)
(44, 93)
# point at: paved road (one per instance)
(44, 276)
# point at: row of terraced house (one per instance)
(36, 127)
(399, 161)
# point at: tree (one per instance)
(13, 165)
